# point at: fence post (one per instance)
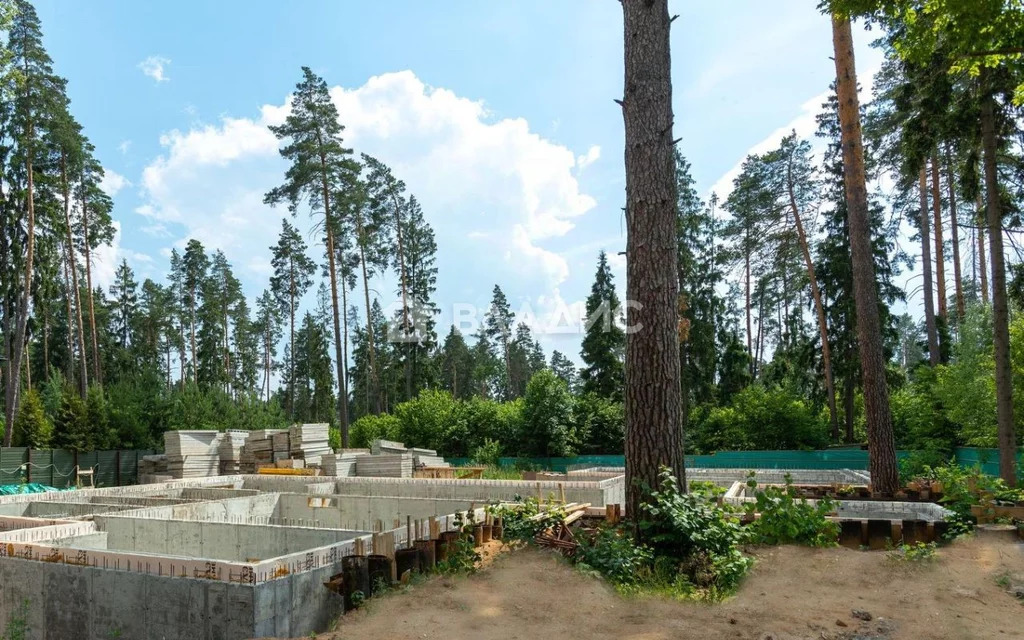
(117, 462)
(28, 464)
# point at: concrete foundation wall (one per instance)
(214, 540)
(61, 602)
(355, 512)
(475, 490)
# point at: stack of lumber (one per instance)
(559, 535)
(379, 447)
(427, 458)
(258, 449)
(397, 465)
(282, 445)
(290, 463)
(309, 442)
(192, 454)
(342, 464)
(231, 451)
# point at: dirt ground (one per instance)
(792, 593)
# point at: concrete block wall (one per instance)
(474, 490)
(357, 512)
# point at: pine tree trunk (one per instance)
(940, 253)
(926, 271)
(407, 330)
(291, 334)
(981, 251)
(653, 404)
(69, 366)
(192, 334)
(96, 374)
(954, 231)
(72, 268)
(881, 446)
(373, 389)
(344, 347)
(18, 352)
(819, 308)
(1000, 310)
(343, 396)
(750, 349)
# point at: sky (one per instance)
(498, 116)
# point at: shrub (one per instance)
(433, 420)
(600, 424)
(698, 534)
(616, 555)
(488, 454)
(759, 418)
(373, 427)
(784, 519)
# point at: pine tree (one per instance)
(420, 265)
(604, 343)
(293, 275)
(194, 265)
(564, 368)
(267, 324)
(322, 171)
(455, 366)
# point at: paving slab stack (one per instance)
(387, 465)
(231, 451)
(192, 454)
(342, 463)
(310, 442)
(153, 468)
(282, 446)
(378, 447)
(427, 458)
(258, 450)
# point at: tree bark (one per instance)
(940, 254)
(981, 251)
(746, 260)
(926, 271)
(954, 232)
(881, 446)
(1000, 309)
(96, 373)
(407, 330)
(291, 337)
(653, 404)
(18, 352)
(343, 396)
(819, 308)
(72, 268)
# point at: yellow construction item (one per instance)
(273, 471)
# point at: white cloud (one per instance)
(493, 190)
(124, 146)
(153, 67)
(113, 182)
(107, 257)
(592, 155)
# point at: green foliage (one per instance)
(696, 532)
(17, 624)
(603, 347)
(523, 520)
(373, 427)
(31, 426)
(616, 555)
(488, 453)
(432, 419)
(918, 553)
(600, 424)
(784, 519)
(71, 426)
(758, 419)
(462, 556)
(547, 417)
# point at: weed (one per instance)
(17, 624)
(784, 519)
(919, 553)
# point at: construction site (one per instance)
(265, 554)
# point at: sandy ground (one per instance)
(792, 593)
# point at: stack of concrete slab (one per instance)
(231, 451)
(192, 454)
(282, 446)
(427, 458)
(378, 447)
(342, 464)
(258, 449)
(394, 465)
(310, 442)
(151, 467)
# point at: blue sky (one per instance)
(499, 117)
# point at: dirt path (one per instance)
(793, 593)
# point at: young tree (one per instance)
(604, 343)
(293, 276)
(322, 171)
(654, 419)
(881, 446)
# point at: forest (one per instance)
(768, 336)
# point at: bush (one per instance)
(433, 420)
(616, 555)
(373, 427)
(600, 424)
(761, 419)
(547, 416)
(694, 531)
(488, 454)
(784, 519)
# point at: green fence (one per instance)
(844, 458)
(56, 467)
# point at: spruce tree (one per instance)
(604, 342)
(497, 329)
(455, 366)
